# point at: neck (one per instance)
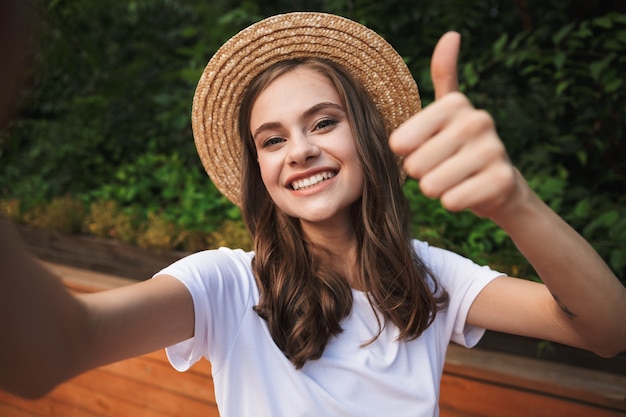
(336, 247)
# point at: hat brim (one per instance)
(219, 93)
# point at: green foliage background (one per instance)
(106, 117)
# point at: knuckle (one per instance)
(451, 203)
(493, 150)
(412, 166)
(429, 188)
(483, 120)
(412, 172)
(504, 176)
(457, 99)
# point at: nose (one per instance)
(302, 149)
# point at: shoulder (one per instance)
(214, 259)
(215, 270)
(463, 279)
(439, 259)
(450, 268)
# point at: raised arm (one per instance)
(583, 303)
(50, 335)
(455, 152)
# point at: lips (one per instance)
(312, 180)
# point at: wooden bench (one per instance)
(476, 383)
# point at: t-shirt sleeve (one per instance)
(463, 279)
(219, 282)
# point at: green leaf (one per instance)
(613, 85)
(603, 221)
(584, 33)
(561, 87)
(596, 67)
(619, 17)
(617, 259)
(620, 36)
(189, 31)
(470, 74)
(613, 45)
(529, 69)
(603, 22)
(558, 37)
(559, 60)
(582, 208)
(499, 44)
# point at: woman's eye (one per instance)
(322, 124)
(274, 140)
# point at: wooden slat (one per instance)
(467, 397)
(568, 382)
(102, 393)
(8, 410)
(117, 395)
(195, 383)
(95, 254)
(48, 406)
(167, 385)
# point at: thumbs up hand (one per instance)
(452, 148)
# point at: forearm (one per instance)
(39, 322)
(589, 297)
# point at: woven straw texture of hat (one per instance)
(294, 35)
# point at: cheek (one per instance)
(269, 172)
(358, 171)
(351, 154)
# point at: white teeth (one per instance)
(311, 181)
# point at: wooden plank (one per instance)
(7, 410)
(96, 254)
(159, 375)
(467, 397)
(556, 352)
(202, 368)
(102, 393)
(85, 401)
(578, 384)
(121, 395)
(48, 406)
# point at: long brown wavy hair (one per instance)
(302, 300)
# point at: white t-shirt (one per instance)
(252, 377)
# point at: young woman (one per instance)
(309, 122)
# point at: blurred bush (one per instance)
(105, 134)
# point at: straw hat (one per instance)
(220, 90)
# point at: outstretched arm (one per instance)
(38, 319)
(50, 335)
(455, 152)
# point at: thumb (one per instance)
(443, 64)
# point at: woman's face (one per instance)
(305, 148)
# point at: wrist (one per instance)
(522, 208)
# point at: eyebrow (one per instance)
(308, 113)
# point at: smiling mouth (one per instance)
(313, 180)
